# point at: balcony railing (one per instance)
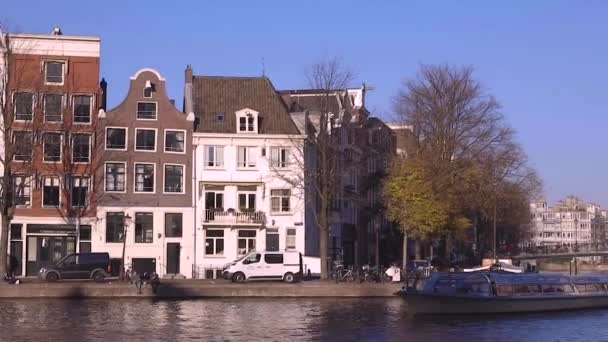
(234, 217)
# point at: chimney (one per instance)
(104, 93)
(57, 31)
(188, 73)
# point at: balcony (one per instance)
(231, 217)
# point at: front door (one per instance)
(272, 239)
(173, 258)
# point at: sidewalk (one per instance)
(194, 289)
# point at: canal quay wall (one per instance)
(196, 289)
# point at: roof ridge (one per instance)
(230, 77)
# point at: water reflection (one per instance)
(278, 320)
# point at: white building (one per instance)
(249, 187)
(568, 223)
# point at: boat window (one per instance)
(568, 288)
(505, 290)
(587, 288)
(526, 289)
(549, 288)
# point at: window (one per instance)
(53, 107)
(174, 141)
(273, 258)
(85, 239)
(51, 147)
(279, 156)
(173, 225)
(144, 177)
(214, 242)
(214, 156)
(214, 200)
(290, 243)
(247, 123)
(22, 142)
(174, 178)
(246, 202)
(53, 72)
(22, 190)
(219, 117)
(144, 228)
(16, 231)
(80, 190)
(145, 139)
(148, 92)
(81, 148)
(245, 157)
(115, 224)
(24, 106)
(116, 138)
(146, 110)
(50, 192)
(279, 199)
(82, 108)
(115, 177)
(246, 241)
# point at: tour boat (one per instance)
(499, 292)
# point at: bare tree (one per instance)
(17, 138)
(317, 158)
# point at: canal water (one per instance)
(278, 320)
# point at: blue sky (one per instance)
(546, 61)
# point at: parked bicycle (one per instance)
(343, 274)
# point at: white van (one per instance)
(286, 265)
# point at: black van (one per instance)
(78, 266)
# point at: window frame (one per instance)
(215, 159)
(90, 135)
(181, 229)
(280, 211)
(135, 237)
(72, 187)
(28, 184)
(44, 147)
(287, 238)
(61, 108)
(247, 197)
(248, 151)
(167, 130)
(183, 186)
(215, 238)
(247, 239)
(146, 119)
(285, 162)
(31, 145)
(155, 139)
(105, 175)
(125, 129)
(246, 113)
(135, 178)
(63, 71)
(91, 105)
(15, 114)
(120, 233)
(43, 181)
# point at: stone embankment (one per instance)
(195, 289)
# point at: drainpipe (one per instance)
(194, 198)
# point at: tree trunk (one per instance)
(417, 249)
(377, 248)
(404, 265)
(4, 245)
(323, 237)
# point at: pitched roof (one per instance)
(216, 94)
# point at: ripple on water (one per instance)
(279, 320)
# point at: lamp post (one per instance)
(125, 225)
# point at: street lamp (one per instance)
(125, 225)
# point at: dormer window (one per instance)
(247, 121)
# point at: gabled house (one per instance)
(249, 195)
(146, 193)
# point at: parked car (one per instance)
(286, 266)
(94, 266)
